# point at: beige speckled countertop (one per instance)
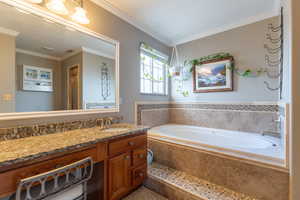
(29, 148)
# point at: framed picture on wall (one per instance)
(214, 76)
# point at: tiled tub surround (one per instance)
(255, 147)
(155, 117)
(258, 181)
(234, 119)
(29, 148)
(241, 117)
(247, 121)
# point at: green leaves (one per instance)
(185, 93)
(247, 73)
(148, 76)
(217, 56)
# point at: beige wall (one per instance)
(246, 44)
(27, 101)
(7, 67)
(295, 140)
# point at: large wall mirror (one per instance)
(50, 66)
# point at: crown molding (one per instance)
(9, 32)
(32, 53)
(129, 19)
(98, 53)
(227, 27)
(77, 51)
(87, 50)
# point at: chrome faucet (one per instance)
(271, 132)
(100, 123)
(104, 123)
(108, 121)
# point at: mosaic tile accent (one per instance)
(193, 185)
(254, 180)
(144, 194)
(204, 106)
(167, 190)
(230, 107)
(45, 129)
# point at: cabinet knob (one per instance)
(141, 174)
(131, 143)
(127, 157)
(141, 155)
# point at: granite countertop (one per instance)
(20, 150)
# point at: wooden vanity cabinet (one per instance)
(119, 175)
(127, 169)
(124, 167)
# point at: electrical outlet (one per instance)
(7, 97)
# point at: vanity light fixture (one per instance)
(57, 6)
(80, 14)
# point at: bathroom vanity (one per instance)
(120, 159)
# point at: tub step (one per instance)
(178, 185)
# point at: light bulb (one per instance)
(35, 1)
(57, 6)
(80, 16)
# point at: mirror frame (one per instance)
(38, 11)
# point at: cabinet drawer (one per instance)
(14, 176)
(139, 156)
(139, 175)
(123, 145)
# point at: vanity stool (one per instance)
(64, 183)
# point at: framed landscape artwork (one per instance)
(214, 76)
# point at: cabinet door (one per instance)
(139, 156)
(119, 176)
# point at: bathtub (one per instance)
(249, 146)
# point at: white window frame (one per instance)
(148, 51)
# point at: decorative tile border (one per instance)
(205, 106)
(44, 129)
(231, 107)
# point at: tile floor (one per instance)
(144, 194)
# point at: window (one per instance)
(153, 71)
